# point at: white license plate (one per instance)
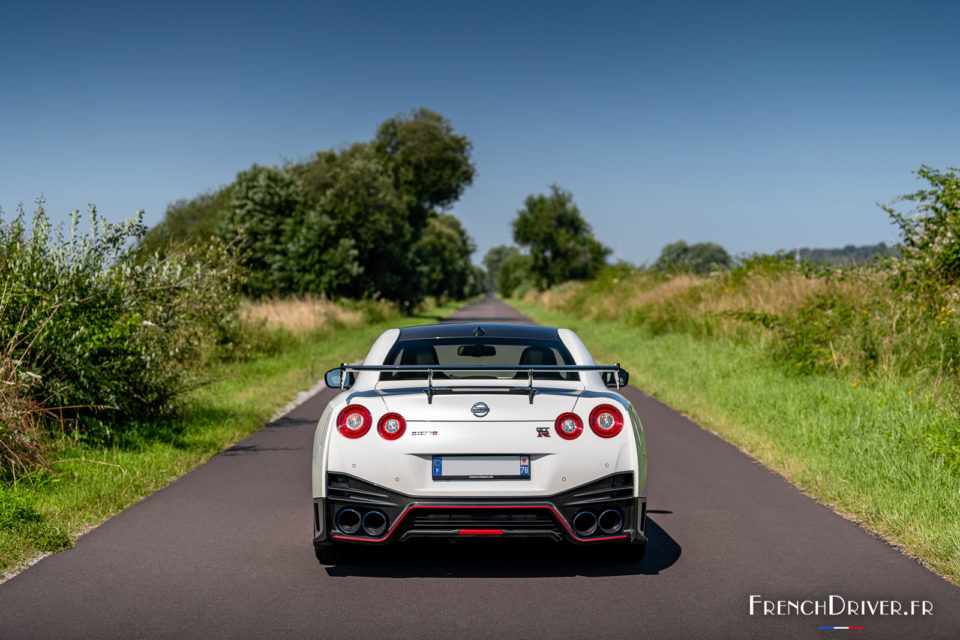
(481, 467)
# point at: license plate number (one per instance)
(481, 467)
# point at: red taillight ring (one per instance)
(381, 426)
(364, 425)
(563, 434)
(611, 431)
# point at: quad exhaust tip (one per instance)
(374, 523)
(585, 523)
(348, 520)
(610, 521)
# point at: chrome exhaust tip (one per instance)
(585, 523)
(348, 520)
(610, 521)
(374, 523)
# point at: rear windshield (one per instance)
(479, 351)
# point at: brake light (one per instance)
(354, 421)
(568, 426)
(391, 426)
(606, 421)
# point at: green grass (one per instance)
(48, 511)
(882, 454)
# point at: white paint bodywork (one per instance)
(448, 427)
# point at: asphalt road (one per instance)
(226, 552)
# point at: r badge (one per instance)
(543, 432)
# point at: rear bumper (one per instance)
(406, 517)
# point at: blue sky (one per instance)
(758, 125)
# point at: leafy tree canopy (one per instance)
(355, 189)
(264, 215)
(849, 255)
(702, 257)
(357, 222)
(491, 262)
(561, 243)
(444, 250)
(187, 222)
(430, 161)
(515, 272)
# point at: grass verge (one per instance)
(46, 512)
(874, 451)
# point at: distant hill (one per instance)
(850, 254)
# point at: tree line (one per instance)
(555, 243)
(369, 221)
(366, 221)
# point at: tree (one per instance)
(430, 162)
(359, 222)
(444, 251)
(187, 222)
(491, 262)
(562, 246)
(266, 209)
(320, 258)
(356, 190)
(478, 282)
(702, 257)
(288, 245)
(516, 270)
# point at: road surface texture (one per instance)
(225, 552)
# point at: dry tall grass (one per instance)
(21, 446)
(311, 314)
(757, 293)
(846, 321)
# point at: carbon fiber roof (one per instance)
(468, 330)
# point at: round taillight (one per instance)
(606, 421)
(391, 426)
(568, 426)
(354, 421)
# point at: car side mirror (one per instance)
(610, 379)
(332, 378)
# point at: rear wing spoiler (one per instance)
(432, 390)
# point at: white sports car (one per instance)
(469, 430)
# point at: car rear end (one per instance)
(557, 457)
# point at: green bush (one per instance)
(109, 342)
(931, 233)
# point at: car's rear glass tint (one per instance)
(511, 352)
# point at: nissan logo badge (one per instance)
(480, 409)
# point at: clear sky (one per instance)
(758, 125)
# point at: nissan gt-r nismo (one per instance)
(479, 430)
